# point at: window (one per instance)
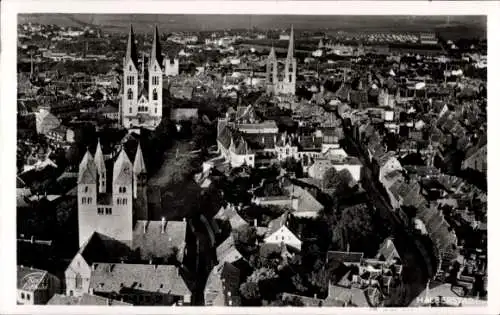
(118, 201)
(22, 296)
(89, 200)
(108, 211)
(130, 110)
(78, 281)
(155, 95)
(70, 292)
(100, 211)
(156, 110)
(124, 201)
(84, 200)
(129, 68)
(290, 78)
(86, 189)
(28, 297)
(129, 94)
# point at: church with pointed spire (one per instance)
(142, 93)
(109, 205)
(281, 80)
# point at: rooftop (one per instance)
(165, 279)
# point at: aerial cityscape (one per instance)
(211, 160)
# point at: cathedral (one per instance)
(110, 206)
(142, 94)
(281, 75)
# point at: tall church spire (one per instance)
(156, 48)
(131, 48)
(290, 46)
(139, 165)
(272, 53)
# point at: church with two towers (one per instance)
(142, 93)
(281, 74)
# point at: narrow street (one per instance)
(415, 270)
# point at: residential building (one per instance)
(279, 231)
(35, 286)
(223, 286)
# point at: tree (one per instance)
(250, 291)
(356, 228)
(329, 178)
(340, 181)
(246, 236)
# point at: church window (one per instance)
(86, 189)
(108, 211)
(130, 110)
(290, 78)
(78, 281)
(100, 211)
(129, 94)
(156, 110)
(89, 200)
(156, 69)
(124, 201)
(118, 201)
(129, 68)
(155, 95)
(84, 200)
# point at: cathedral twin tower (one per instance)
(277, 80)
(141, 104)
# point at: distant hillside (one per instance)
(178, 22)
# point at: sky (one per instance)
(178, 22)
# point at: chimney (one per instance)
(255, 222)
(163, 224)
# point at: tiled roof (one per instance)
(147, 278)
(277, 223)
(227, 251)
(30, 279)
(85, 299)
(99, 247)
(223, 285)
(179, 114)
(307, 202)
(388, 250)
(150, 241)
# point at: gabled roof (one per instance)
(122, 170)
(30, 279)
(388, 251)
(87, 173)
(144, 277)
(99, 158)
(99, 247)
(139, 165)
(276, 224)
(227, 251)
(222, 287)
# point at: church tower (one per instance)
(290, 68)
(101, 168)
(87, 197)
(271, 72)
(122, 194)
(130, 81)
(140, 187)
(155, 78)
